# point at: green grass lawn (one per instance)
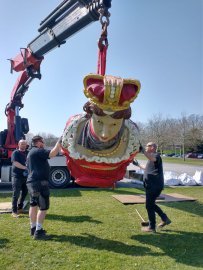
(197, 162)
(92, 230)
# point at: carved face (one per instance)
(105, 127)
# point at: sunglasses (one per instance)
(41, 141)
(149, 145)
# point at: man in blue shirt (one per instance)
(154, 184)
(19, 177)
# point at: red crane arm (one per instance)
(65, 20)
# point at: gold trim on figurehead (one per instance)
(113, 87)
(103, 169)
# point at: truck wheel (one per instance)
(59, 177)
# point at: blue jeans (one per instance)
(18, 185)
(151, 195)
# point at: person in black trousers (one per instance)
(19, 178)
(154, 184)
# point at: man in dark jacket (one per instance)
(19, 177)
(154, 184)
(37, 183)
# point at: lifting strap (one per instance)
(101, 63)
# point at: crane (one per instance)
(66, 19)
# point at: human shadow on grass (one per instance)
(77, 192)
(90, 241)
(134, 191)
(184, 247)
(192, 207)
(78, 219)
(3, 242)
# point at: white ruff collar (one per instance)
(69, 137)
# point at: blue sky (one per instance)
(158, 42)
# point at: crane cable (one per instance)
(101, 63)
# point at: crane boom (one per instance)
(59, 25)
(66, 19)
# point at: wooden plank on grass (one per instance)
(6, 207)
(171, 197)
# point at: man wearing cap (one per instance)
(19, 177)
(154, 184)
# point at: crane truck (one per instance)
(66, 19)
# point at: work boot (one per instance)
(40, 235)
(22, 211)
(144, 224)
(164, 223)
(32, 231)
(15, 215)
(147, 229)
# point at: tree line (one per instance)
(48, 138)
(184, 133)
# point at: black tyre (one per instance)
(59, 177)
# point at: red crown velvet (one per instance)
(111, 93)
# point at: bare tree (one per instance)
(173, 134)
(172, 131)
(183, 132)
(49, 139)
(143, 130)
(195, 135)
(194, 139)
(196, 121)
(28, 137)
(157, 131)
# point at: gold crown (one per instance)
(109, 92)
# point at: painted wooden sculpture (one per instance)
(101, 142)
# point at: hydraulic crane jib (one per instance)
(66, 19)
